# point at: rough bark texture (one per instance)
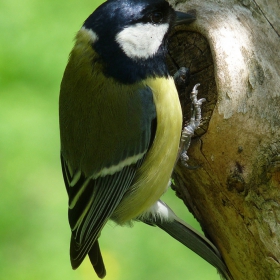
(233, 51)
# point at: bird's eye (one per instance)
(156, 17)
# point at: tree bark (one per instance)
(233, 189)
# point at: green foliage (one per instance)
(36, 38)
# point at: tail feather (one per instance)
(163, 217)
(94, 255)
(197, 243)
(97, 260)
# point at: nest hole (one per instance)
(191, 49)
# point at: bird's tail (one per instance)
(97, 260)
(165, 218)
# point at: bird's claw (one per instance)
(189, 129)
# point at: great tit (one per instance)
(120, 127)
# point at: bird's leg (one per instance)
(193, 124)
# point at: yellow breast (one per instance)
(153, 176)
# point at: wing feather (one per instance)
(96, 182)
(95, 205)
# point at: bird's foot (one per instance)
(182, 78)
(193, 124)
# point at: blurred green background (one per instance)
(36, 38)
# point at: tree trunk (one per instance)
(233, 189)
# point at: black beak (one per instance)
(185, 18)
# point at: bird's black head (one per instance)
(130, 37)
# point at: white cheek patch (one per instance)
(141, 40)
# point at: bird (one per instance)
(120, 127)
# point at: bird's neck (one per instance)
(128, 71)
